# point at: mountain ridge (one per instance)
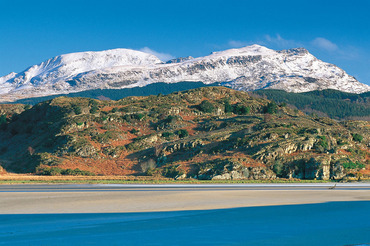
(248, 68)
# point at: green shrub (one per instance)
(2, 119)
(130, 117)
(77, 109)
(106, 136)
(138, 116)
(134, 131)
(162, 160)
(323, 142)
(340, 142)
(171, 172)
(76, 172)
(206, 107)
(241, 109)
(352, 165)
(182, 133)
(167, 134)
(357, 137)
(56, 171)
(49, 171)
(131, 146)
(93, 106)
(278, 168)
(79, 142)
(228, 107)
(93, 110)
(170, 119)
(270, 108)
(168, 122)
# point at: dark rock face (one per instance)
(179, 59)
(243, 60)
(314, 168)
(294, 51)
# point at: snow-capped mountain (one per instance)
(249, 68)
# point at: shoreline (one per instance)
(56, 199)
(332, 223)
(37, 179)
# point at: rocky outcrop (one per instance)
(337, 171)
(307, 144)
(231, 170)
(85, 151)
(184, 145)
(319, 167)
(10, 109)
(269, 153)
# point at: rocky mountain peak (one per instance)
(247, 68)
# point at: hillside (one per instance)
(116, 94)
(204, 133)
(332, 103)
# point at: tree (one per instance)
(2, 119)
(206, 107)
(241, 109)
(77, 109)
(182, 133)
(228, 107)
(94, 106)
(271, 108)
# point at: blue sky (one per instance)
(335, 31)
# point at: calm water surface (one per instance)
(334, 223)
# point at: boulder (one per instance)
(337, 171)
(86, 151)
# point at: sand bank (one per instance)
(146, 199)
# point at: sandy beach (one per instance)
(184, 215)
(41, 199)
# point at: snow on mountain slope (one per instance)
(249, 68)
(59, 69)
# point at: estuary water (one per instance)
(331, 223)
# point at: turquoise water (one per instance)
(334, 223)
